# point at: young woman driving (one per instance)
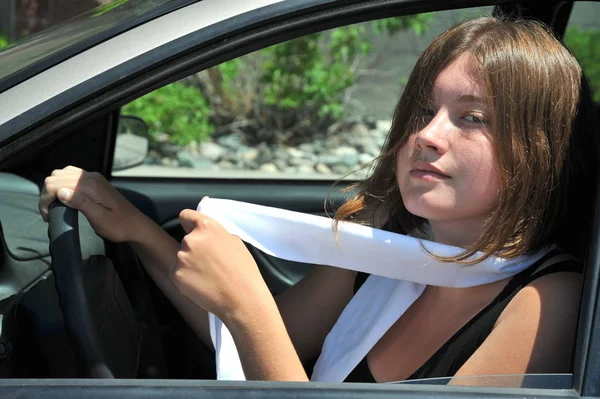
(475, 158)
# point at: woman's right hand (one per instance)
(109, 213)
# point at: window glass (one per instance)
(583, 37)
(317, 107)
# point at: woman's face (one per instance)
(447, 171)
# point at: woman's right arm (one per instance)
(309, 309)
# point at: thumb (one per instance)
(79, 201)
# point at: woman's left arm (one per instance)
(535, 333)
(215, 270)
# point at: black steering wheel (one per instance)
(67, 266)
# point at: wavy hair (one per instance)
(533, 86)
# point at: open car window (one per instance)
(316, 107)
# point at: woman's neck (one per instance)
(457, 233)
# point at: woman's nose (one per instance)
(434, 135)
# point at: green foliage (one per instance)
(294, 87)
(586, 47)
(3, 42)
(177, 110)
(313, 71)
(107, 7)
(418, 23)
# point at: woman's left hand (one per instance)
(215, 269)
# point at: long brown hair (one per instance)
(533, 89)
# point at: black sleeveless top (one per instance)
(456, 351)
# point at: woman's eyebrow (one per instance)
(469, 98)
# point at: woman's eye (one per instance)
(474, 119)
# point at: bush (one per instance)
(284, 93)
(177, 110)
(3, 42)
(586, 47)
(301, 84)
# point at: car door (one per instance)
(162, 189)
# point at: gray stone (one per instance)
(281, 164)
(360, 130)
(323, 169)
(373, 150)
(251, 154)
(307, 147)
(365, 158)
(370, 122)
(211, 151)
(191, 161)
(328, 159)
(231, 141)
(351, 160)
(269, 168)
(226, 165)
(344, 150)
(384, 125)
(295, 153)
(193, 148)
(301, 161)
(340, 169)
(305, 169)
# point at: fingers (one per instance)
(73, 187)
(191, 220)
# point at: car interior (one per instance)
(140, 334)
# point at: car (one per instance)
(79, 315)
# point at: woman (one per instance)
(477, 157)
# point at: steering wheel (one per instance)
(67, 266)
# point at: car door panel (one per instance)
(163, 200)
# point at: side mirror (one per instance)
(131, 147)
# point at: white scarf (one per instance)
(399, 266)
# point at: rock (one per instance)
(265, 155)
(328, 159)
(305, 169)
(250, 155)
(323, 169)
(370, 122)
(191, 161)
(307, 147)
(211, 151)
(318, 147)
(282, 164)
(269, 168)
(340, 169)
(231, 141)
(300, 162)
(169, 150)
(294, 152)
(351, 160)
(169, 162)
(373, 150)
(193, 148)
(365, 158)
(226, 165)
(343, 151)
(360, 130)
(384, 126)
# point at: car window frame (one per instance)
(586, 373)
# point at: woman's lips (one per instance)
(427, 175)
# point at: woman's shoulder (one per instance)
(549, 287)
(536, 330)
